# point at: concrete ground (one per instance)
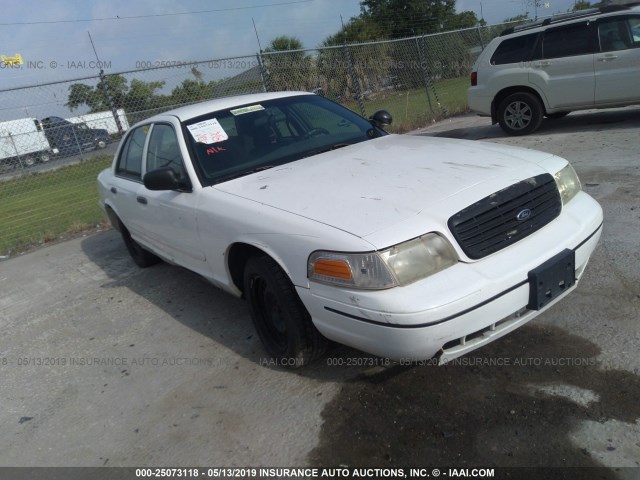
(105, 364)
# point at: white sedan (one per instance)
(406, 247)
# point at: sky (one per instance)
(52, 37)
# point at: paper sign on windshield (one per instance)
(208, 131)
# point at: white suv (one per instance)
(577, 61)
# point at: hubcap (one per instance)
(518, 115)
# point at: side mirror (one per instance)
(161, 179)
(381, 118)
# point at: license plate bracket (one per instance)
(551, 279)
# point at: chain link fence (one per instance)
(56, 137)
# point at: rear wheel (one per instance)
(44, 158)
(520, 113)
(29, 161)
(143, 258)
(281, 320)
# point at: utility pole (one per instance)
(105, 86)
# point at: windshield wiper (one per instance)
(243, 173)
(325, 149)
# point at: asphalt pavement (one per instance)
(105, 364)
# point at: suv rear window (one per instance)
(568, 41)
(514, 50)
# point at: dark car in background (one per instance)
(71, 138)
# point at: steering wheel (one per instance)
(316, 131)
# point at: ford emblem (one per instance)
(523, 214)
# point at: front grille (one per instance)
(492, 223)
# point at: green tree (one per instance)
(404, 18)
(142, 95)
(139, 95)
(284, 43)
(286, 66)
(357, 29)
(581, 5)
(466, 19)
(81, 94)
(191, 91)
(96, 97)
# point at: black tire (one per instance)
(281, 320)
(520, 113)
(553, 116)
(143, 258)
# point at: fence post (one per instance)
(263, 73)
(425, 79)
(75, 138)
(354, 80)
(480, 36)
(114, 111)
(428, 83)
(15, 147)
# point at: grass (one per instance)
(411, 108)
(37, 208)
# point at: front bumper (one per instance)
(461, 308)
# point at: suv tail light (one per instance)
(474, 79)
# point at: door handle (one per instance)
(114, 190)
(141, 200)
(607, 58)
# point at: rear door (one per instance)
(617, 66)
(563, 68)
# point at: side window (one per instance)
(164, 151)
(514, 50)
(568, 41)
(634, 24)
(130, 162)
(614, 35)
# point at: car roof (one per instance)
(191, 111)
(535, 26)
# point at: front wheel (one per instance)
(281, 320)
(520, 113)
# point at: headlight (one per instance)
(568, 183)
(399, 265)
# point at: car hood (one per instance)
(382, 183)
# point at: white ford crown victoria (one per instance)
(406, 247)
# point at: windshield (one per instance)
(231, 143)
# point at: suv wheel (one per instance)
(520, 113)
